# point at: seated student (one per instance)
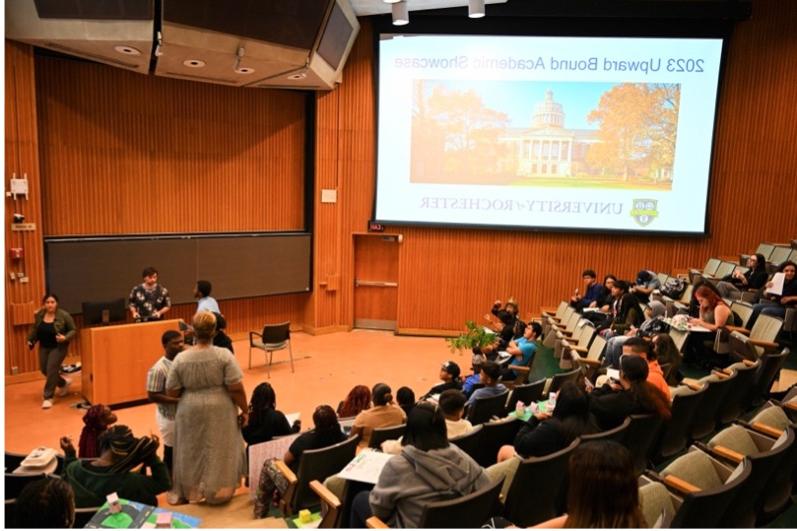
(732, 286)
(507, 319)
(428, 469)
(624, 311)
(545, 434)
(639, 347)
(655, 312)
(477, 360)
(272, 484)
(714, 315)
(449, 373)
(358, 399)
(265, 421)
(96, 421)
(452, 402)
(663, 347)
(523, 349)
(775, 305)
(604, 302)
(490, 374)
(405, 398)
(592, 291)
(603, 490)
(614, 401)
(45, 504)
(383, 414)
(646, 282)
(121, 452)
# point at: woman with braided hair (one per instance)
(209, 454)
(112, 471)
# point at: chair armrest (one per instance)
(722, 373)
(286, 471)
(740, 329)
(789, 405)
(694, 385)
(680, 484)
(325, 494)
(729, 454)
(766, 429)
(567, 333)
(762, 343)
(587, 361)
(375, 523)
(580, 349)
(520, 368)
(548, 310)
(252, 336)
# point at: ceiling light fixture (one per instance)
(391, 1)
(475, 8)
(401, 13)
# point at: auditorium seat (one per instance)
(706, 417)
(704, 486)
(617, 434)
(766, 486)
(390, 433)
(640, 438)
(470, 442)
(537, 487)
(526, 393)
(484, 409)
(494, 435)
(754, 343)
(674, 436)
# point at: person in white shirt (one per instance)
(452, 403)
(206, 303)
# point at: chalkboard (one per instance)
(238, 265)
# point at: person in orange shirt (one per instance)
(639, 347)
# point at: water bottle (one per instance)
(520, 408)
(551, 402)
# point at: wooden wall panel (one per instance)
(123, 153)
(22, 158)
(449, 275)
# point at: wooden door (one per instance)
(375, 281)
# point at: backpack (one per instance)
(674, 288)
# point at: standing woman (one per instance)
(52, 329)
(209, 456)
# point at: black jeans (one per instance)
(50, 359)
(168, 453)
(360, 510)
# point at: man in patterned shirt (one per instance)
(149, 301)
(173, 344)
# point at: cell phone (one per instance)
(613, 374)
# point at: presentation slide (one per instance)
(574, 133)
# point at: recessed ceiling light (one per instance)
(194, 63)
(300, 75)
(127, 50)
(245, 70)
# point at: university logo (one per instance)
(644, 211)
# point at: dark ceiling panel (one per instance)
(288, 22)
(96, 9)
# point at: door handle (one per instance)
(375, 283)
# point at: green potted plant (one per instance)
(474, 336)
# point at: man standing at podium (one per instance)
(149, 301)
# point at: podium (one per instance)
(116, 360)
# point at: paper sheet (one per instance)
(365, 467)
(777, 284)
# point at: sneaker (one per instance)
(63, 391)
(47, 404)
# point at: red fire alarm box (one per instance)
(16, 253)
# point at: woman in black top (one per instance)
(52, 329)
(732, 286)
(544, 434)
(614, 401)
(265, 422)
(775, 305)
(272, 483)
(449, 374)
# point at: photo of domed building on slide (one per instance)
(544, 134)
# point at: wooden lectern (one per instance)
(116, 360)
